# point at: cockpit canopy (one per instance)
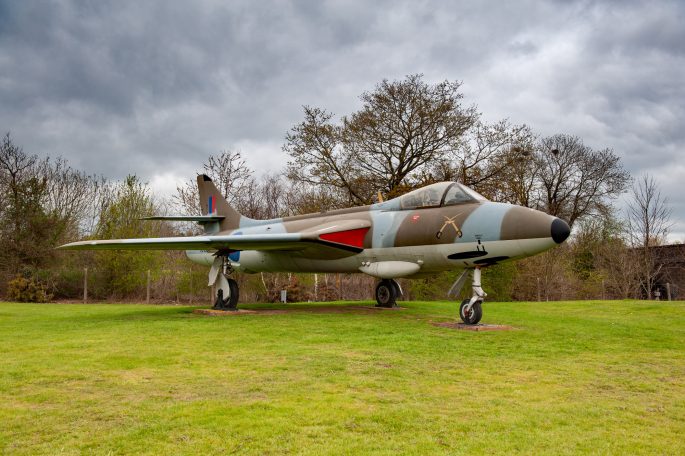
(440, 194)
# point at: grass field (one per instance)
(574, 378)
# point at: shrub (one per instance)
(21, 289)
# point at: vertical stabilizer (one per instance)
(212, 202)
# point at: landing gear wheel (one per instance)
(386, 293)
(231, 303)
(398, 290)
(473, 316)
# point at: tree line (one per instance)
(407, 134)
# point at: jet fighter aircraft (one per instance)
(440, 227)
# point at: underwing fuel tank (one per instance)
(390, 269)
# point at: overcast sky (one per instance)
(153, 87)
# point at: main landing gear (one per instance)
(387, 292)
(228, 292)
(470, 310)
(231, 302)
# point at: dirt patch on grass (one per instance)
(481, 327)
(302, 309)
(223, 313)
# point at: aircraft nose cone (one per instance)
(560, 230)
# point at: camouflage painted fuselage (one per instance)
(439, 227)
(397, 238)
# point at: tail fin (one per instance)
(213, 203)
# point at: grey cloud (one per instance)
(147, 86)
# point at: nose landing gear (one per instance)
(470, 310)
(470, 314)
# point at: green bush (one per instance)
(21, 289)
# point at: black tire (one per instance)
(474, 315)
(386, 294)
(232, 301)
(398, 290)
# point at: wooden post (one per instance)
(339, 287)
(147, 298)
(603, 292)
(85, 285)
(192, 290)
(538, 289)
(668, 290)
(316, 287)
(176, 286)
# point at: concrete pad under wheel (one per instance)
(222, 313)
(479, 327)
(295, 310)
(382, 308)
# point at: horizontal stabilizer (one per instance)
(201, 219)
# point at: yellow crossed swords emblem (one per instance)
(449, 221)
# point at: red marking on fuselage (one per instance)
(354, 238)
(415, 218)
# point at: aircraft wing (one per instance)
(287, 241)
(345, 236)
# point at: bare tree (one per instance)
(648, 222)
(620, 267)
(71, 195)
(576, 181)
(15, 164)
(648, 214)
(272, 191)
(547, 276)
(519, 181)
(303, 198)
(401, 129)
(487, 157)
(230, 174)
(265, 199)
(319, 158)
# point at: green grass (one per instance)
(574, 378)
